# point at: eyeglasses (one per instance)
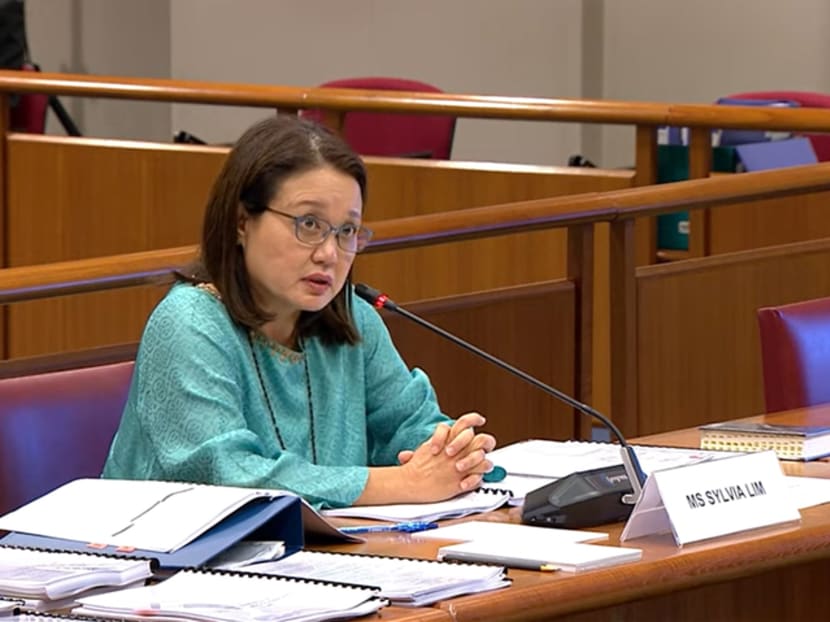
(310, 229)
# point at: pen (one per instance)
(406, 527)
(532, 566)
(510, 562)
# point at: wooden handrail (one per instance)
(72, 277)
(93, 274)
(470, 106)
(577, 209)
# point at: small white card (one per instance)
(713, 499)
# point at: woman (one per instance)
(261, 368)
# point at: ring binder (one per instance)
(42, 616)
(154, 563)
(277, 517)
(211, 596)
(263, 575)
(404, 581)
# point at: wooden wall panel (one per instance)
(698, 352)
(406, 187)
(78, 198)
(531, 327)
(80, 322)
(770, 222)
(75, 199)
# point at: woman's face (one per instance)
(289, 276)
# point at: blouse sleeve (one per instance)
(402, 409)
(185, 418)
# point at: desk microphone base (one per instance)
(583, 499)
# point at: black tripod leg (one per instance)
(66, 121)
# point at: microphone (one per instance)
(583, 499)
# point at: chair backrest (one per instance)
(29, 113)
(806, 99)
(393, 135)
(795, 354)
(57, 426)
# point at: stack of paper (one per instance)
(534, 463)
(528, 547)
(8, 606)
(44, 578)
(463, 505)
(406, 582)
(224, 596)
(246, 553)
(789, 442)
(570, 557)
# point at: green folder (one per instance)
(673, 165)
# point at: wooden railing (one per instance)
(645, 117)
(578, 214)
(466, 106)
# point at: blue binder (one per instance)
(275, 518)
(776, 154)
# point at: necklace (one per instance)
(271, 408)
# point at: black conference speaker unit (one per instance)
(578, 500)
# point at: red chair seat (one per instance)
(820, 142)
(56, 427)
(393, 135)
(29, 114)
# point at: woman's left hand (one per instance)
(462, 441)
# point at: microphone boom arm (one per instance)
(631, 464)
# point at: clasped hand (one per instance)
(452, 460)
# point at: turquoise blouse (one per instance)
(197, 412)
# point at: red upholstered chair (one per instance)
(394, 135)
(29, 114)
(806, 99)
(57, 426)
(795, 354)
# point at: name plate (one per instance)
(712, 499)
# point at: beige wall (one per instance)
(107, 37)
(657, 50)
(681, 51)
(521, 47)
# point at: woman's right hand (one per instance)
(429, 476)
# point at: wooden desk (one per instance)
(775, 574)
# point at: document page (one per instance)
(554, 459)
(462, 505)
(50, 575)
(408, 582)
(221, 597)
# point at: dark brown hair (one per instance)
(263, 157)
